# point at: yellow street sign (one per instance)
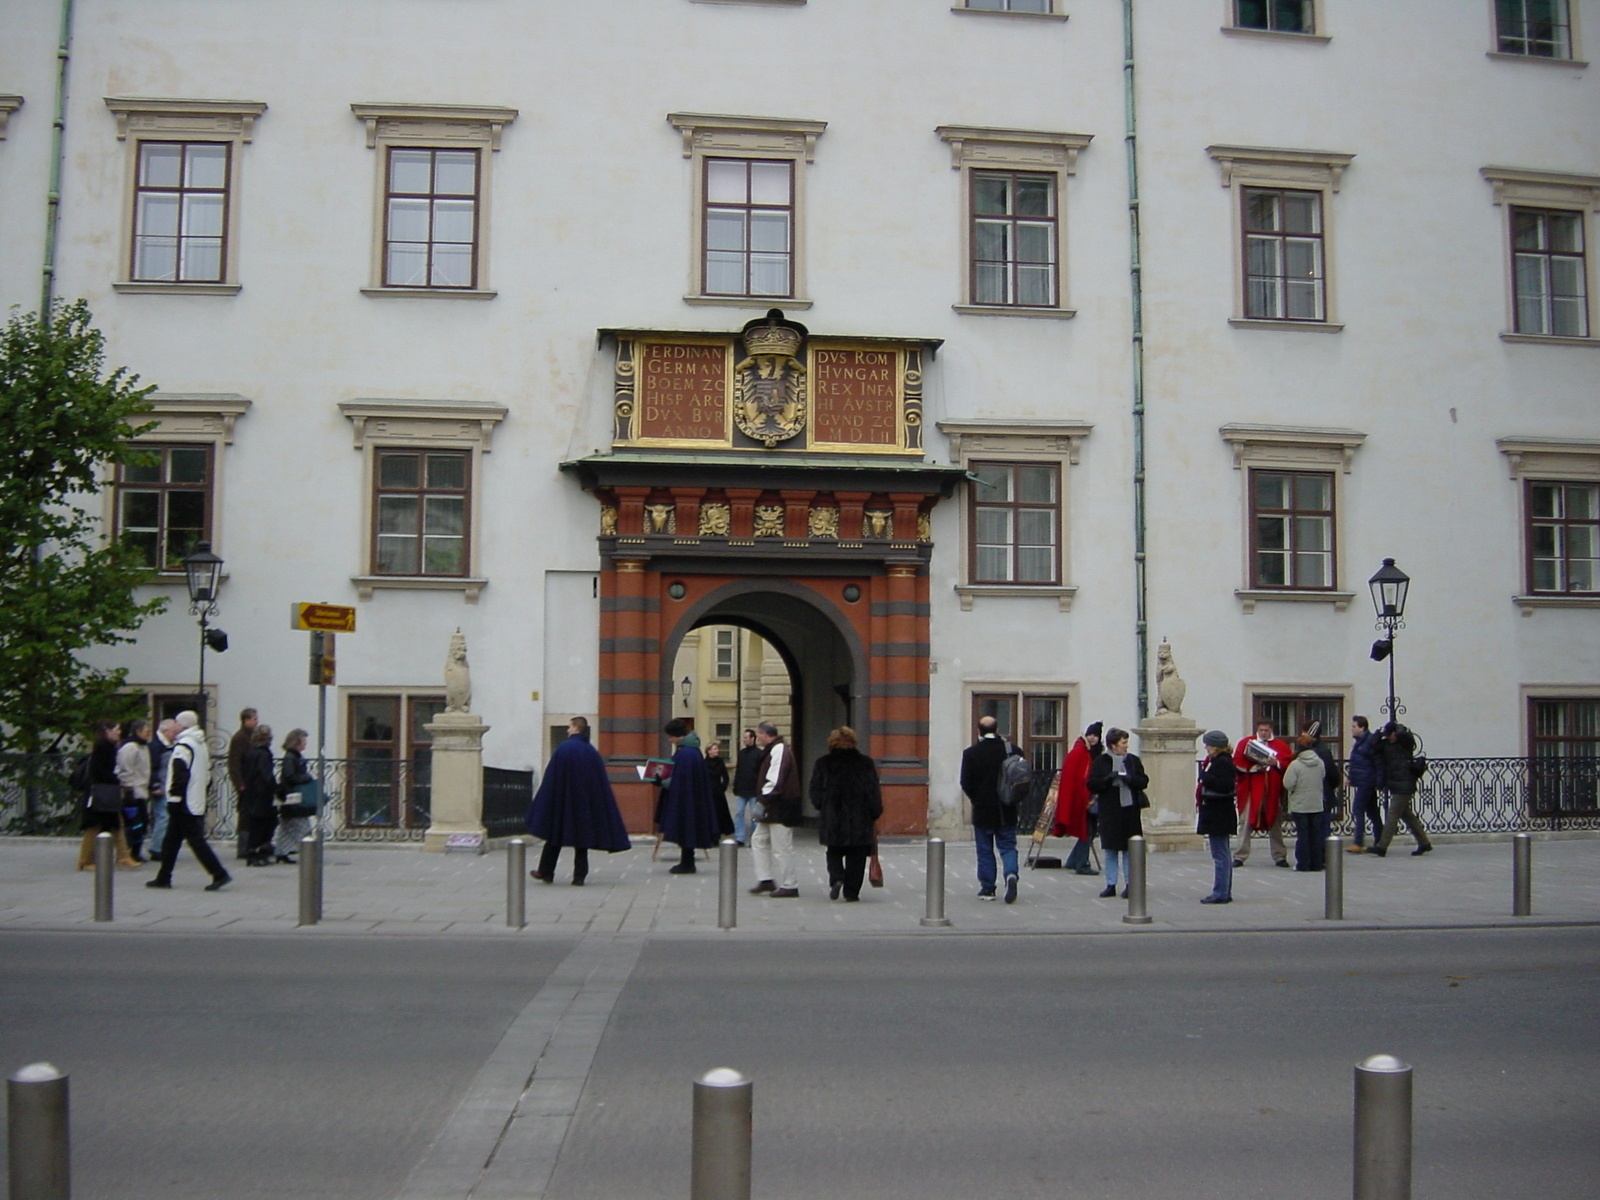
(331, 618)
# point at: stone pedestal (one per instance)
(456, 807)
(1167, 749)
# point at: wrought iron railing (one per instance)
(507, 795)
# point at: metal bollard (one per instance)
(310, 881)
(1137, 913)
(1522, 875)
(720, 1162)
(727, 884)
(105, 872)
(1383, 1129)
(38, 1134)
(933, 912)
(517, 883)
(1333, 878)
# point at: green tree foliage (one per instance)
(63, 587)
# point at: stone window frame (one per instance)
(185, 418)
(1056, 13)
(1345, 693)
(1058, 443)
(1574, 39)
(1518, 187)
(1527, 693)
(1316, 35)
(1546, 459)
(1022, 690)
(404, 698)
(1320, 171)
(714, 135)
(1292, 448)
(9, 103)
(157, 119)
(390, 424)
(432, 127)
(976, 148)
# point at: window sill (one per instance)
(136, 288)
(1540, 339)
(1001, 12)
(1500, 56)
(771, 3)
(1308, 326)
(431, 293)
(999, 310)
(1528, 603)
(1250, 597)
(469, 588)
(176, 579)
(784, 302)
(1062, 595)
(1275, 35)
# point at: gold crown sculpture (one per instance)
(772, 338)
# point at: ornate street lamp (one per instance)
(686, 686)
(1389, 587)
(202, 571)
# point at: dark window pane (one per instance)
(398, 470)
(447, 470)
(188, 465)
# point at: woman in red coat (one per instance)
(1073, 818)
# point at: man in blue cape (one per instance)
(686, 812)
(575, 807)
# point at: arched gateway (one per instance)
(772, 480)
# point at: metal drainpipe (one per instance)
(1136, 300)
(58, 149)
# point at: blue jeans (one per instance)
(1113, 858)
(1364, 808)
(1079, 856)
(1310, 830)
(158, 826)
(740, 803)
(1222, 866)
(988, 839)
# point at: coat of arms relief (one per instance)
(769, 403)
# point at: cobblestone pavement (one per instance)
(404, 891)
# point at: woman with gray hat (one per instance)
(1218, 820)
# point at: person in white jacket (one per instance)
(188, 773)
(1303, 794)
(133, 773)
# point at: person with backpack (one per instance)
(994, 822)
(1117, 781)
(1399, 768)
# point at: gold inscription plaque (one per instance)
(855, 397)
(683, 392)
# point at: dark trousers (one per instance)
(1310, 846)
(580, 861)
(259, 829)
(847, 865)
(1364, 808)
(183, 826)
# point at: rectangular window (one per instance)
(1015, 522)
(1537, 28)
(724, 654)
(391, 764)
(1288, 715)
(1028, 6)
(749, 227)
(1042, 732)
(1013, 239)
(1283, 254)
(1550, 272)
(1564, 741)
(163, 506)
(180, 212)
(1280, 16)
(420, 512)
(1563, 537)
(431, 218)
(1292, 521)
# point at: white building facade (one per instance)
(410, 278)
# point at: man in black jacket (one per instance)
(1398, 777)
(746, 783)
(993, 824)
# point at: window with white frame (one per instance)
(1533, 28)
(748, 204)
(1293, 480)
(431, 218)
(1558, 483)
(1283, 242)
(1275, 16)
(1013, 228)
(723, 667)
(423, 466)
(1548, 221)
(1035, 718)
(1042, 7)
(180, 231)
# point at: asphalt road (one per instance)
(1151, 1066)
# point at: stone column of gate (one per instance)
(902, 734)
(1167, 749)
(627, 678)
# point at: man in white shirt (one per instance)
(773, 840)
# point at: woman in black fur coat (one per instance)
(844, 788)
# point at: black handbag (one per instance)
(290, 811)
(105, 797)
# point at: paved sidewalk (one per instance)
(403, 891)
